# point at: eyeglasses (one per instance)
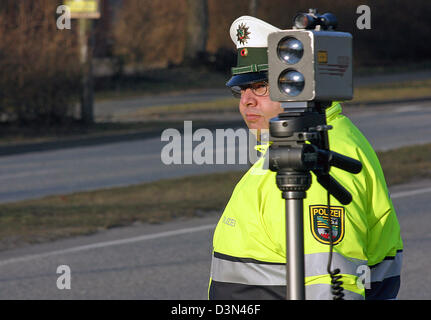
(259, 89)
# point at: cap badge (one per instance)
(242, 33)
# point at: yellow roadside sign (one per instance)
(83, 9)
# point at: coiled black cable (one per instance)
(336, 283)
(336, 288)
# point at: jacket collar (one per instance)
(333, 111)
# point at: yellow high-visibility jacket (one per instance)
(249, 242)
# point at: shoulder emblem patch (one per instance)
(242, 33)
(319, 221)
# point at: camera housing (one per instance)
(310, 65)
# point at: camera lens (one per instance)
(290, 50)
(291, 82)
(304, 21)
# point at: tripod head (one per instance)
(300, 145)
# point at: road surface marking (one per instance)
(408, 108)
(104, 244)
(409, 193)
(31, 173)
(153, 236)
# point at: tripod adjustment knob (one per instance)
(293, 181)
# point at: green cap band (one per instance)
(251, 60)
(250, 68)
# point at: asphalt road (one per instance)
(33, 175)
(172, 260)
(393, 126)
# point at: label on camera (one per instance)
(322, 57)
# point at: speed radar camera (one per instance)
(309, 67)
(310, 62)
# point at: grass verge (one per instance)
(406, 164)
(53, 217)
(199, 110)
(11, 135)
(393, 91)
(158, 81)
(16, 134)
(81, 213)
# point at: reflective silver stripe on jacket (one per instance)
(243, 271)
(387, 268)
(262, 273)
(316, 263)
(248, 273)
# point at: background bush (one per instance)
(151, 32)
(39, 79)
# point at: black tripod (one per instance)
(293, 159)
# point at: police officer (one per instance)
(249, 255)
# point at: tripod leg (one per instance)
(295, 272)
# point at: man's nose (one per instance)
(248, 98)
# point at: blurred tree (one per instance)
(39, 82)
(254, 7)
(152, 34)
(196, 30)
(149, 34)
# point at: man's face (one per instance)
(257, 110)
